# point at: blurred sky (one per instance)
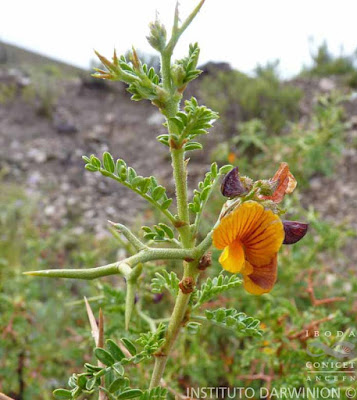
(242, 32)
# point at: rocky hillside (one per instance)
(44, 154)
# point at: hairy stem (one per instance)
(121, 267)
(176, 321)
(186, 237)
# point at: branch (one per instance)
(87, 274)
(138, 245)
(311, 291)
(121, 267)
(176, 31)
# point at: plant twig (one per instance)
(311, 291)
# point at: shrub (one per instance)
(239, 97)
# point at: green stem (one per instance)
(88, 274)
(123, 267)
(177, 32)
(138, 245)
(177, 317)
(186, 237)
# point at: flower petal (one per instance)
(264, 239)
(294, 231)
(231, 185)
(232, 257)
(237, 223)
(262, 279)
(286, 183)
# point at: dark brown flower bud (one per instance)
(187, 285)
(231, 185)
(294, 231)
(205, 261)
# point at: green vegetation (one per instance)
(310, 148)
(237, 96)
(325, 64)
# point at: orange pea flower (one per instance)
(250, 238)
(285, 183)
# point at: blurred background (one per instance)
(283, 78)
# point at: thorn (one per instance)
(92, 322)
(101, 329)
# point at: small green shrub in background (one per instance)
(310, 148)
(44, 90)
(317, 147)
(7, 92)
(326, 64)
(237, 96)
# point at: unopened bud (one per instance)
(294, 231)
(231, 185)
(178, 75)
(135, 60)
(157, 38)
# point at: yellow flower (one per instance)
(250, 238)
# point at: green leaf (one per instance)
(104, 172)
(158, 192)
(238, 321)
(165, 280)
(62, 394)
(91, 383)
(151, 342)
(214, 170)
(91, 168)
(104, 356)
(116, 385)
(216, 286)
(86, 159)
(166, 204)
(164, 139)
(147, 187)
(115, 350)
(205, 192)
(130, 394)
(150, 236)
(131, 174)
(108, 162)
(119, 369)
(167, 230)
(82, 381)
(95, 161)
(129, 345)
(137, 181)
(193, 146)
(225, 169)
(188, 66)
(92, 368)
